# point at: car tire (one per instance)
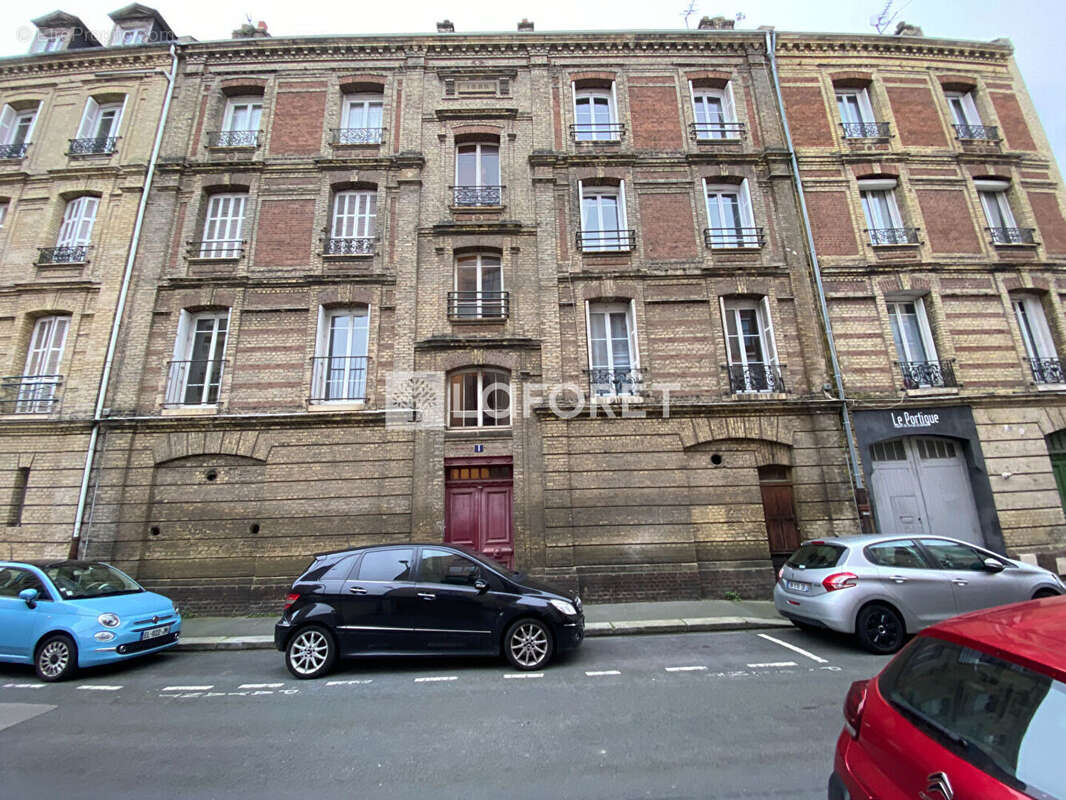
(56, 658)
(311, 652)
(880, 629)
(1045, 593)
(528, 644)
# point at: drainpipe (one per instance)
(853, 456)
(116, 323)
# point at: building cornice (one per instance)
(87, 60)
(837, 45)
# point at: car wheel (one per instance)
(1045, 593)
(57, 658)
(311, 652)
(880, 629)
(528, 644)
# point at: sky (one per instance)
(1034, 26)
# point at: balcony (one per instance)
(95, 146)
(1012, 235)
(13, 151)
(980, 133)
(892, 236)
(465, 306)
(219, 249)
(605, 132)
(866, 130)
(606, 241)
(29, 394)
(338, 379)
(1047, 370)
(343, 136)
(608, 382)
(68, 254)
(249, 139)
(927, 374)
(351, 246)
(716, 238)
(755, 377)
(716, 131)
(194, 383)
(477, 196)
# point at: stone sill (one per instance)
(478, 321)
(733, 251)
(627, 253)
(356, 145)
(1049, 387)
(760, 395)
(1008, 246)
(888, 248)
(340, 405)
(59, 264)
(932, 391)
(330, 257)
(190, 411)
(210, 260)
(231, 148)
(37, 415)
(497, 432)
(460, 210)
(91, 155)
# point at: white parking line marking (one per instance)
(596, 673)
(24, 685)
(99, 688)
(794, 649)
(524, 675)
(685, 669)
(260, 685)
(346, 683)
(773, 664)
(188, 688)
(437, 678)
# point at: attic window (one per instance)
(130, 35)
(48, 41)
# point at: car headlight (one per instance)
(104, 636)
(564, 607)
(109, 620)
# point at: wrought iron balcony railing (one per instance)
(216, 248)
(475, 196)
(67, 254)
(733, 237)
(756, 377)
(478, 305)
(233, 138)
(866, 130)
(95, 146)
(879, 236)
(194, 383)
(357, 135)
(598, 131)
(927, 374)
(13, 150)
(351, 246)
(1012, 235)
(338, 378)
(29, 394)
(1047, 370)
(716, 131)
(606, 382)
(597, 241)
(988, 133)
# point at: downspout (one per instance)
(853, 456)
(116, 323)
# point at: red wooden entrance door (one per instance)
(779, 510)
(477, 506)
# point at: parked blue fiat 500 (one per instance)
(63, 615)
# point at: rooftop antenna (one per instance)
(880, 22)
(690, 9)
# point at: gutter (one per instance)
(116, 323)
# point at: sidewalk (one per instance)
(601, 619)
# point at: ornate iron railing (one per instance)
(716, 131)
(893, 235)
(351, 246)
(477, 195)
(233, 138)
(194, 383)
(357, 135)
(13, 150)
(1012, 235)
(479, 305)
(734, 237)
(1047, 370)
(336, 378)
(866, 130)
(598, 131)
(594, 241)
(216, 248)
(927, 374)
(29, 394)
(67, 254)
(95, 146)
(755, 377)
(977, 132)
(604, 381)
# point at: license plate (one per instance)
(155, 633)
(796, 586)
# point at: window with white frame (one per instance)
(478, 288)
(352, 229)
(222, 226)
(614, 364)
(603, 218)
(995, 202)
(1037, 340)
(129, 35)
(595, 115)
(16, 128)
(477, 174)
(913, 338)
(195, 375)
(48, 41)
(75, 232)
(714, 112)
(3, 213)
(730, 220)
(361, 116)
(341, 355)
(40, 379)
(857, 115)
(751, 349)
(99, 127)
(965, 118)
(240, 123)
(884, 223)
(479, 398)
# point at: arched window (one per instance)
(75, 232)
(479, 398)
(361, 115)
(354, 222)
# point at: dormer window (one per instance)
(48, 41)
(125, 36)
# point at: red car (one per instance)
(974, 708)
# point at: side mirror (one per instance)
(993, 565)
(30, 596)
(481, 585)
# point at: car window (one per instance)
(442, 566)
(900, 554)
(13, 580)
(816, 555)
(386, 565)
(1001, 717)
(949, 555)
(80, 579)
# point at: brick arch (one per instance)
(477, 133)
(765, 429)
(851, 79)
(479, 359)
(246, 444)
(362, 84)
(766, 453)
(714, 79)
(607, 289)
(237, 87)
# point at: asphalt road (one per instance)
(717, 715)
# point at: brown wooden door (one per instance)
(780, 514)
(477, 508)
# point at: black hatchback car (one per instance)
(421, 599)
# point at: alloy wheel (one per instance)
(529, 644)
(54, 658)
(309, 652)
(883, 629)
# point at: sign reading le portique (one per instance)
(917, 419)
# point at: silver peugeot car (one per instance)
(883, 587)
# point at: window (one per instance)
(478, 288)
(750, 346)
(479, 398)
(352, 230)
(729, 216)
(196, 371)
(950, 555)
(857, 115)
(996, 204)
(441, 566)
(386, 565)
(595, 116)
(477, 175)
(1036, 337)
(75, 233)
(16, 127)
(360, 119)
(340, 365)
(48, 41)
(99, 127)
(129, 36)
(3, 214)
(39, 383)
(884, 224)
(603, 218)
(715, 113)
(965, 118)
(900, 554)
(614, 367)
(222, 226)
(914, 345)
(240, 123)
(14, 580)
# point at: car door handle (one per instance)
(357, 590)
(898, 578)
(959, 582)
(427, 595)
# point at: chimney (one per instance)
(250, 31)
(525, 25)
(903, 29)
(716, 24)
(445, 26)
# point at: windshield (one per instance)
(79, 579)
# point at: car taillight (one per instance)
(853, 706)
(289, 600)
(840, 580)
(780, 572)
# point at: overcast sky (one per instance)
(1034, 26)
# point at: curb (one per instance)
(626, 628)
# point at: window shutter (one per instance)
(84, 231)
(769, 342)
(725, 329)
(623, 222)
(118, 118)
(7, 124)
(927, 332)
(631, 318)
(729, 103)
(68, 231)
(747, 214)
(89, 119)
